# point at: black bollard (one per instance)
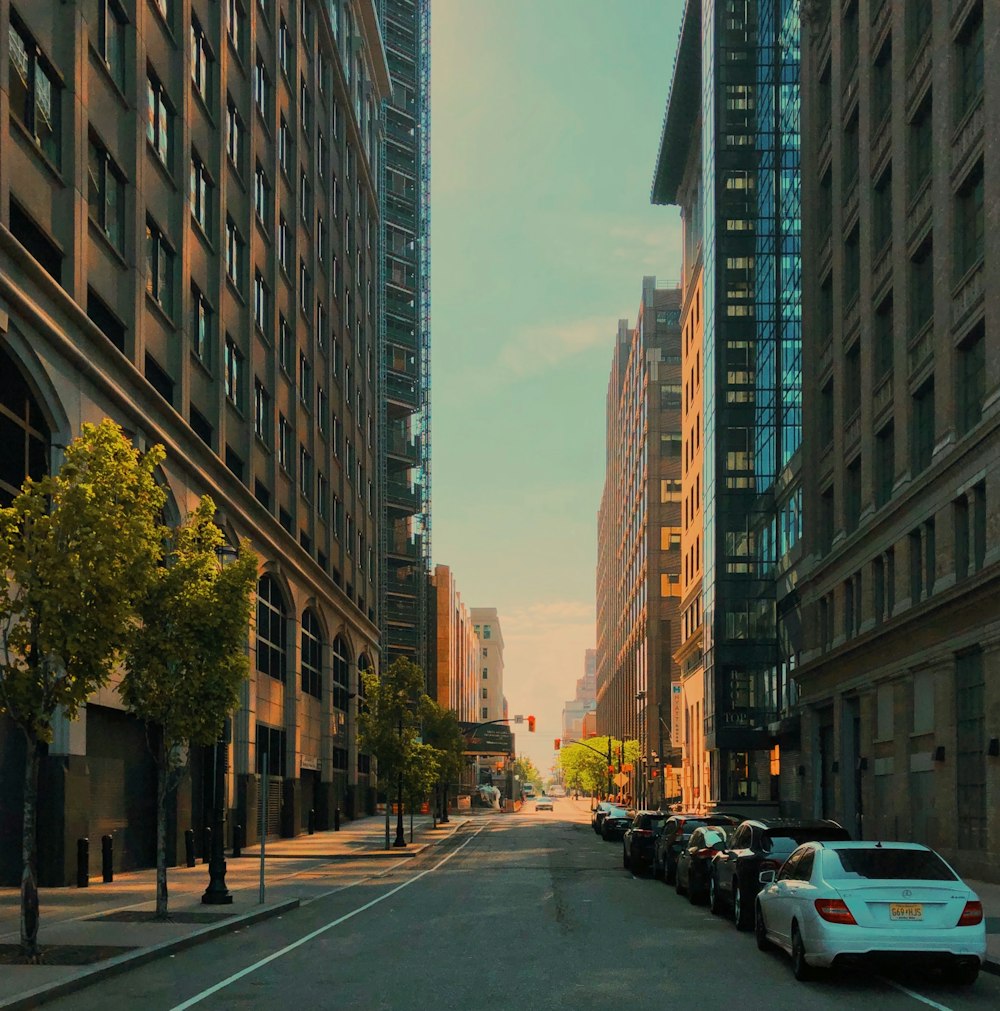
(82, 863)
(206, 844)
(237, 840)
(189, 846)
(311, 822)
(107, 859)
(336, 819)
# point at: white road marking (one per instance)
(236, 976)
(915, 995)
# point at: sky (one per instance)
(545, 124)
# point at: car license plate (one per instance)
(906, 911)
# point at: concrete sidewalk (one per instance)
(109, 926)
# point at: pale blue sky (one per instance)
(546, 118)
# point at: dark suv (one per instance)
(674, 837)
(637, 843)
(755, 846)
(598, 814)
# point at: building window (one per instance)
(826, 520)
(235, 23)
(106, 194)
(235, 252)
(284, 245)
(201, 62)
(261, 195)
(969, 65)
(305, 105)
(970, 733)
(971, 380)
(922, 439)
(885, 464)
(852, 381)
(312, 655)
(305, 288)
(882, 83)
(271, 629)
(165, 7)
(852, 495)
(850, 157)
(670, 490)
(201, 325)
(284, 145)
(852, 266)
(921, 137)
(261, 303)
(201, 193)
(305, 380)
(919, 14)
(883, 338)
(261, 412)
(849, 39)
(825, 309)
(234, 373)
(670, 444)
(284, 47)
(305, 197)
(969, 223)
(35, 93)
(320, 238)
(322, 494)
(826, 415)
(882, 212)
(234, 137)
(922, 288)
(261, 87)
(159, 268)
(284, 443)
(111, 40)
(284, 345)
(159, 124)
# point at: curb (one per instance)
(991, 967)
(122, 963)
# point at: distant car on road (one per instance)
(614, 823)
(597, 816)
(757, 846)
(837, 902)
(637, 843)
(544, 803)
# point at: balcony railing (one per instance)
(411, 548)
(401, 496)
(402, 390)
(398, 444)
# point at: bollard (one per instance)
(311, 821)
(189, 846)
(107, 859)
(206, 844)
(237, 840)
(336, 819)
(82, 863)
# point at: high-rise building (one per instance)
(902, 435)
(486, 625)
(189, 225)
(585, 700)
(729, 157)
(639, 537)
(405, 419)
(455, 650)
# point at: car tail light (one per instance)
(705, 853)
(646, 833)
(971, 915)
(834, 911)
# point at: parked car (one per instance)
(637, 842)
(674, 837)
(694, 862)
(597, 815)
(614, 824)
(544, 803)
(755, 846)
(837, 902)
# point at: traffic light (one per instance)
(558, 741)
(531, 724)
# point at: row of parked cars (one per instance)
(804, 887)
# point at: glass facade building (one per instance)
(750, 226)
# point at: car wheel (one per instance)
(742, 909)
(760, 930)
(678, 887)
(626, 863)
(714, 905)
(669, 873)
(801, 969)
(964, 974)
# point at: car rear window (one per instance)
(711, 836)
(888, 864)
(650, 821)
(784, 840)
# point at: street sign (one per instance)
(491, 739)
(628, 767)
(676, 714)
(621, 779)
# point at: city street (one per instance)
(529, 911)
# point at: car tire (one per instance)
(801, 969)
(964, 974)
(714, 905)
(670, 873)
(742, 909)
(626, 863)
(678, 887)
(760, 930)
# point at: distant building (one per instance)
(486, 625)
(454, 649)
(584, 702)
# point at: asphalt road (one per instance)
(528, 911)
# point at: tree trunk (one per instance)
(29, 851)
(161, 835)
(444, 804)
(411, 821)
(387, 806)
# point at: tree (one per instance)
(525, 768)
(585, 763)
(441, 730)
(186, 659)
(77, 549)
(387, 722)
(420, 775)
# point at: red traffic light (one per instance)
(531, 724)
(558, 741)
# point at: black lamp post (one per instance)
(217, 894)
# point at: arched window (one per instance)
(340, 679)
(271, 639)
(312, 654)
(24, 435)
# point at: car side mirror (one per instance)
(766, 877)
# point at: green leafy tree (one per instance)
(420, 775)
(585, 764)
(186, 659)
(442, 731)
(78, 548)
(526, 769)
(387, 723)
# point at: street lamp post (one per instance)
(217, 894)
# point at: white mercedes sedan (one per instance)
(838, 902)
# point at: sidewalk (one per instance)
(91, 933)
